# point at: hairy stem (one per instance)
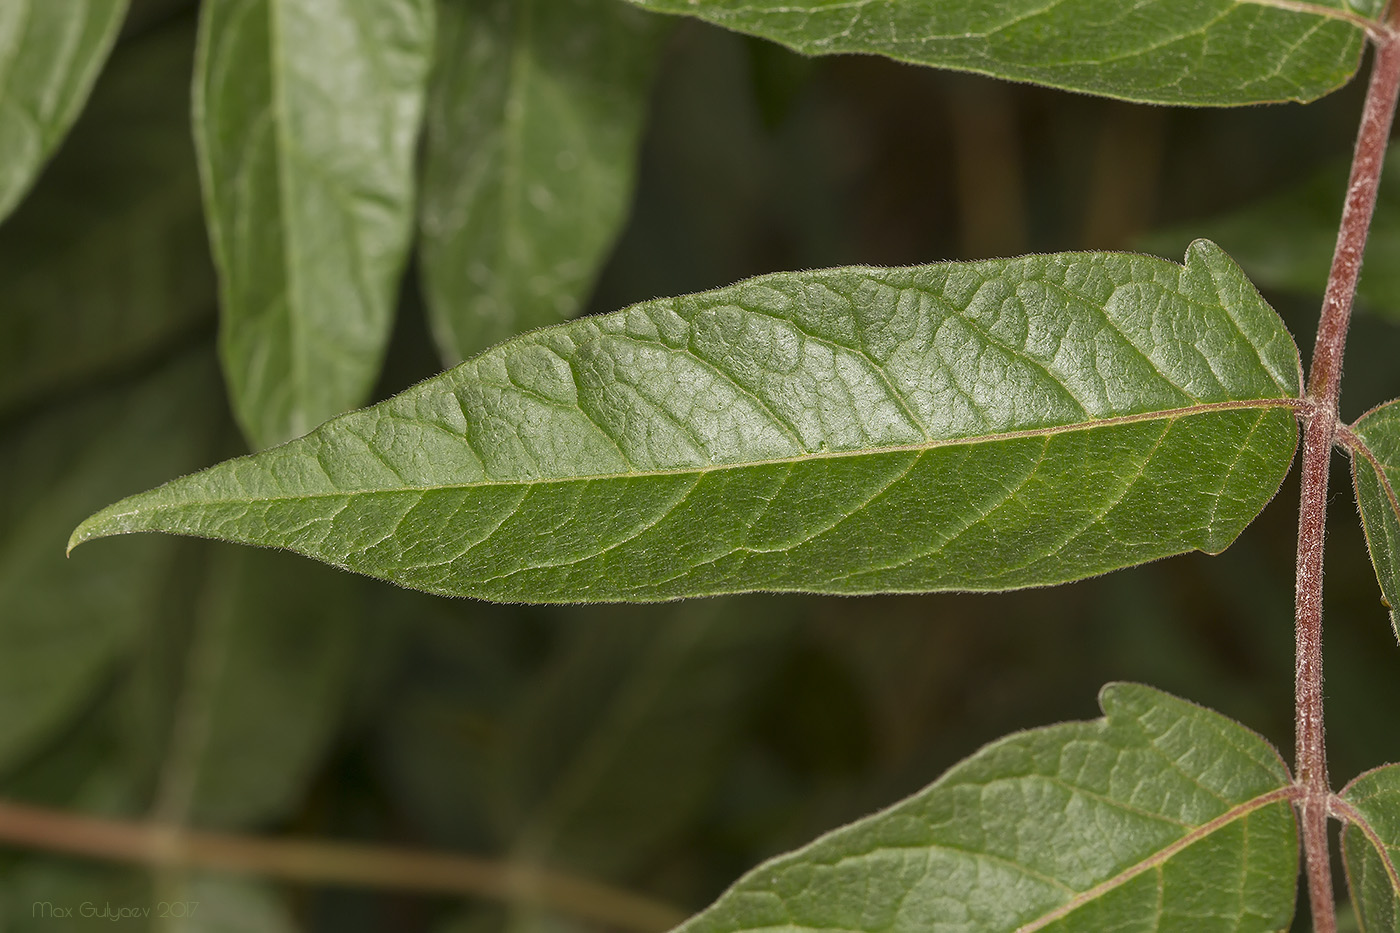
(1321, 423)
(169, 846)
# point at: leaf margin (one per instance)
(1234, 293)
(1379, 525)
(716, 13)
(1283, 793)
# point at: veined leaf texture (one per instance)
(1371, 846)
(1376, 474)
(1185, 52)
(973, 426)
(1106, 825)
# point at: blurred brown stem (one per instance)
(990, 177)
(347, 864)
(1126, 164)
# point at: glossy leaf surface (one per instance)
(1377, 480)
(954, 426)
(50, 53)
(1163, 815)
(306, 120)
(529, 156)
(106, 261)
(1286, 241)
(1194, 52)
(1371, 848)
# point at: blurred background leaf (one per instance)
(306, 117)
(50, 52)
(529, 153)
(105, 263)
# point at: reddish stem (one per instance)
(1321, 423)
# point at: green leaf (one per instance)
(1371, 846)
(1286, 241)
(66, 623)
(1375, 472)
(529, 157)
(972, 426)
(106, 261)
(306, 120)
(1192, 52)
(50, 53)
(1162, 815)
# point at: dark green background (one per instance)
(451, 720)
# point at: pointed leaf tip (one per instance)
(972, 426)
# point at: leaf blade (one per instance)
(1375, 476)
(1032, 831)
(808, 431)
(306, 118)
(529, 154)
(50, 54)
(1370, 846)
(1201, 53)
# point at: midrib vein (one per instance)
(1160, 857)
(1318, 9)
(295, 300)
(920, 447)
